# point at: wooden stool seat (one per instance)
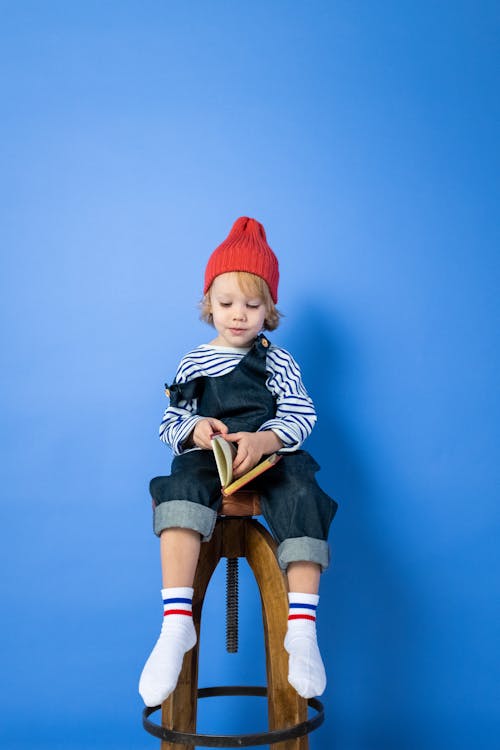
(237, 534)
(242, 504)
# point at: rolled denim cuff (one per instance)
(304, 549)
(185, 515)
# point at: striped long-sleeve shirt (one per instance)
(295, 413)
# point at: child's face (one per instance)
(238, 318)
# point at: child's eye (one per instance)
(254, 306)
(225, 304)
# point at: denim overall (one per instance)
(296, 509)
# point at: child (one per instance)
(251, 391)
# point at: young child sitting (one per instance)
(250, 391)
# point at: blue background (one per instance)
(362, 135)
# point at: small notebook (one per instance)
(224, 453)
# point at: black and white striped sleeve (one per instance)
(295, 412)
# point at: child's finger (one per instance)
(233, 436)
(238, 471)
(240, 457)
(218, 426)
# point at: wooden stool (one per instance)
(237, 534)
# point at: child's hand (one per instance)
(251, 447)
(204, 430)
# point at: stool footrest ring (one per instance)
(234, 740)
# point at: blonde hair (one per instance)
(253, 286)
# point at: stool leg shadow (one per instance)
(242, 537)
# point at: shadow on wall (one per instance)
(368, 617)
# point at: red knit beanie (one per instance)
(245, 249)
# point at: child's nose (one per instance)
(239, 313)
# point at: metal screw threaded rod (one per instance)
(232, 605)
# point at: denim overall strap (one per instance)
(240, 398)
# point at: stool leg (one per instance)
(179, 710)
(285, 706)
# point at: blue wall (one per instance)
(363, 136)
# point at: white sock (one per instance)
(306, 671)
(161, 671)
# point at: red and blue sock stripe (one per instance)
(177, 605)
(302, 611)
